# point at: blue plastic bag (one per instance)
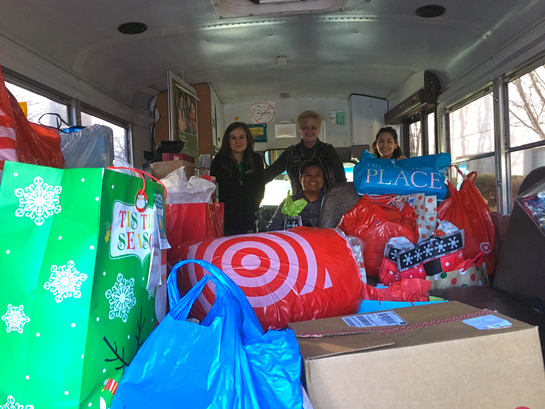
(225, 362)
(421, 174)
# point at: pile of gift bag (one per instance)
(91, 320)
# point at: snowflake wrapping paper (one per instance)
(75, 258)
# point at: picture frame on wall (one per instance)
(183, 114)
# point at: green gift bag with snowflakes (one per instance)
(75, 261)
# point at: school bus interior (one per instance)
(465, 77)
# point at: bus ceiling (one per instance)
(250, 50)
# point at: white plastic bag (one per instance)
(181, 190)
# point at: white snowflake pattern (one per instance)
(15, 318)
(408, 258)
(65, 281)
(418, 255)
(440, 247)
(428, 250)
(38, 201)
(11, 404)
(453, 242)
(121, 298)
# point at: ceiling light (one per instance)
(132, 28)
(274, 1)
(281, 60)
(245, 8)
(430, 10)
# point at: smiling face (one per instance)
(312, 179)
(237, 140)
(386, 144)
(310, 128)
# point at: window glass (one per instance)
(276, 190)
(349, 171)
(120, 137)
(37, 105)
(486, 178)
(472, 128)
(527, 108)
(415, 139)
(523, 162)
(431, 134)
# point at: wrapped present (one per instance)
(403, 259)
(425, 207)
(463, 277)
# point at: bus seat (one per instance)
(338, 200)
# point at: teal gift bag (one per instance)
(75, 256)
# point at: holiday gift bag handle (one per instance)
(142, 191)
(251, 325)
(471, 176)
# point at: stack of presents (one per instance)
(121, 292)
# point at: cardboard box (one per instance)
(163, 168)
(434, 361)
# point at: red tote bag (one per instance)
(467, 209)
(24, 141)
(191, 222)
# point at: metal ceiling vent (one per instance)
(245, 8)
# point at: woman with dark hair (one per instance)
(386, 144)
(239, 175)
(302, 209)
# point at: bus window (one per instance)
(486, 178)
(38, 105)
(431, 133)
(472, 128)
(526, 124)
(415, 138)
(472, 144)
(121, 154)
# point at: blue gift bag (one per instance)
(225, 362)
(421, 174)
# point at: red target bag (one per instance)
(287, 276)
(24, 141)
(376, 222)
(467, 210)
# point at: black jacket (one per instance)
(295, 156)
(241, 193)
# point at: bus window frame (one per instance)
(74, 106)
(421, 116)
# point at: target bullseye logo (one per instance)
(267, 267)
(485, 247)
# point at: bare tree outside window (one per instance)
(38, 105)
(527, 108)
(415, 138)
(472, 128)
(526, 123)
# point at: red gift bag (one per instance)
(467, 209)
(24, 141)
(191, 222)
(408, 289)
(376, 222)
